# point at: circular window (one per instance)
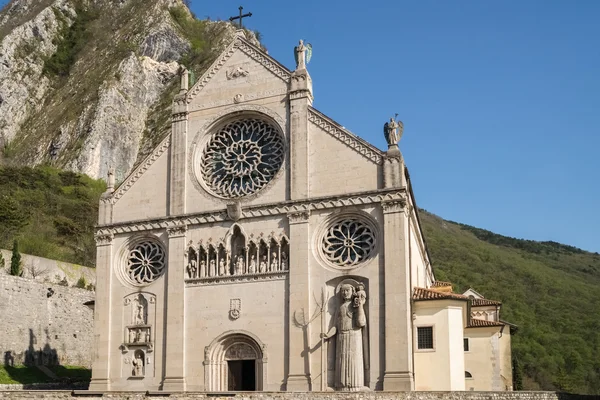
(242, 157)
(348, 242)
(145, 263)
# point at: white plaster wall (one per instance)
(433, 367)
(506, 359)
(148, 197)
(479, 359)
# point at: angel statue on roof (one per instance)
(392, 131)
(302, 53)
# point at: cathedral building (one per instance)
(263, 247)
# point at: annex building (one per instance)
(263, 247)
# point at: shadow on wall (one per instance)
(33, 356)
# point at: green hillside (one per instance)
(549, 290)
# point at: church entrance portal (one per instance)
(235, 361)
(242, 375)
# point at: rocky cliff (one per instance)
(87, 84)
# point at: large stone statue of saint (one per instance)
(349, 322)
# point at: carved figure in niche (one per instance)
(212, 268)
(283, 261)
(138, 335)
(138, 364)
(192, 268)
(202, 269)
(132, 336)
(139, 317)
(361, 295)
(221, 267)
(239, 265)
(252, 265)
(274, 263)
(263, 265)
(349, 321)
(146, 336)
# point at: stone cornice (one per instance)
(177, 230)
(394, 206)
(139, 171)
(337, 131)
(293, 209)
(252, 51)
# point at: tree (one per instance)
(36, 271)
(15, 261)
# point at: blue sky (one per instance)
(500, 99)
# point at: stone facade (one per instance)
(262, 246)
(44, 323)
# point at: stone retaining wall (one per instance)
(68, 395)
(44, 323)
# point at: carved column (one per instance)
(398, 374)
(175, 311)
(301, 98)
(299, 379)
(102, 313)
(178, 156)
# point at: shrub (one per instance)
(81, 283)
(15, 261)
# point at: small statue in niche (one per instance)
(139, 313)
(202, 269)
(239, 265)
(283, 261)
(212, 268)
(192, 268)
(262, 267)
(252, 265)
(138, 335)
(132, 336)
(146, 336)
(222, 267)
(361, 295)
(138, 365)
(274, 263)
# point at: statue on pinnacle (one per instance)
(302, 54)
(392, 131)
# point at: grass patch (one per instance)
(22, 374)
(73, 373)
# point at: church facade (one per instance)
(263, 247)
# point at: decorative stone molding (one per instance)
(250, 50)
(395, 206)
(104, 238)
(178, 117)
(334, 129)
(177, 231)
(141, 169)
(290, 207)
(229, 279)
(298, 217)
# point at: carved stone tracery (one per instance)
(145, 263)
(348, 242)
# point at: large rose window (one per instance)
(146, 263)
(348, 242)
(242, 157)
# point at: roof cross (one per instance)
(240, 17)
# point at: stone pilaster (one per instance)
(393, 171)
(398, 374)
(105, 210)
(178, 157)
(300, 96)
(175, 312)
(299, 379)
(102, 313)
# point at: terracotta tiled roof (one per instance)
(441, 284)
(480, 323)
(485, 302)
(429, 294)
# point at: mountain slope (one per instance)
(549, 290)
(85, 84)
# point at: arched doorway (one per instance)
(235, 361)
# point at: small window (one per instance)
(468, 374)
(425, 337)
(466, 344)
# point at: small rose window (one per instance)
(146, 263)
(348, 242)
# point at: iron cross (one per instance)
(240, 16)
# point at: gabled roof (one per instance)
(485, 302)
(240, 43)
(421, 294)
(480, 323)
